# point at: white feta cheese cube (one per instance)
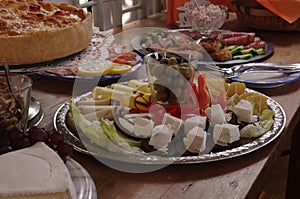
(174, 122)
(226, 133)
(161, 137)
(143, 127)
(195, 141)
(217, 114)
(194, 121)
(244, 111)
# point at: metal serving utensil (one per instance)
(9, 82)
(237, 70)
(11, 90)
(31, 70)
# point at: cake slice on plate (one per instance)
(35, 172)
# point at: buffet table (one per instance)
(239, 177)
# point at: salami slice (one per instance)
(238, 40)
(225, 35)
(256, 45)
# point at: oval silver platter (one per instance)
(268, 137)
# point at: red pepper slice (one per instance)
(203, 95)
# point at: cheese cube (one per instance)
(174, 122)
(161, 137)
(195, 141)
(123, 88)
(194, 121)
(226, 133)
(143, 126)
(217, 114)
(244, 111)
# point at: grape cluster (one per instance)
(17, 139)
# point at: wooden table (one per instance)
(234, 178)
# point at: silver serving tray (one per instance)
(268, 137)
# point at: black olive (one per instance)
(232, 117)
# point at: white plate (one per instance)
(266, 78)
(84, 184)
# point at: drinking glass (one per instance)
(14, 106)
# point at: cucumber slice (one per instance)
(236, 50)
(245, 56)
(260, 51)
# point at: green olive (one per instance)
(165, 79)
(173, 70)
(187, 72)
(165, 61)
(185, 65)
(158, 69)
(172, 61)
(179, 81)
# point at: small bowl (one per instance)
(170, 76)
(207, 18)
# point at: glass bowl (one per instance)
(206, 18)
(171, 76)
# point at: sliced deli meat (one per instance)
(256, 45)
(248, 40)
(225, 35)
(237, 40)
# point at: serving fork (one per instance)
(238, 70)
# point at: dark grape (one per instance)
(64, 158)
(17, 139)
(56, 138)
(36, 134)
(47, 132)
(23, 143)
(5, 149)
(64, 149)
(4, 140)
(16, 134)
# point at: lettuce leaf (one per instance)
(103, 133)
(266, 119)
